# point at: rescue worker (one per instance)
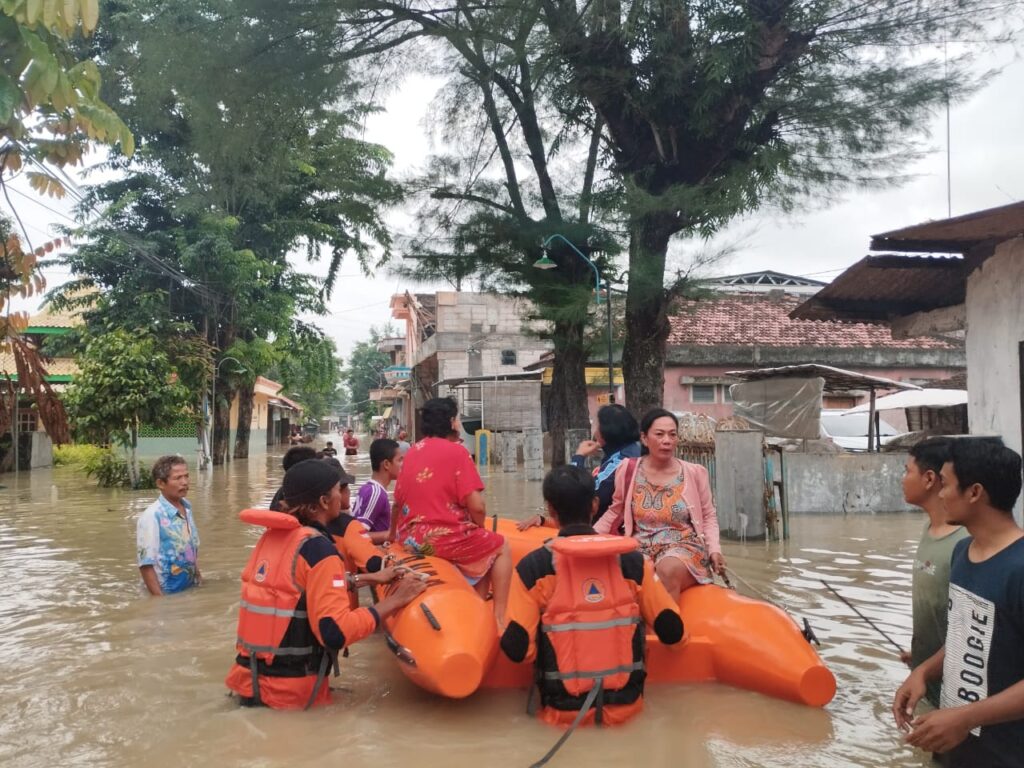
(295, 616)
(579, 605)
(350, 537)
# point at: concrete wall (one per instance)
(155, 447)
(844, 483)
(510, 405)
(42, 450)
(995, 330)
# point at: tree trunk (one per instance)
(222, 421)
(567, 402)
(245, 398)
(133, 457)
(643, 354)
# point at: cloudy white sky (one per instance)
(987, 171)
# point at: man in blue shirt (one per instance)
(981, 721)
(168, 542)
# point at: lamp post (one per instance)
(545, 263)
(213, 397)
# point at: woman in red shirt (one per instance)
(440, 509)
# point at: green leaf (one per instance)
(10, 97)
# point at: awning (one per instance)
(387, 413)
(284, 403)
(924, 398)
(836, 379)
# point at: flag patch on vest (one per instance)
(593, 591)
(261, 571)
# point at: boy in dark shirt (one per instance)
(981, 722)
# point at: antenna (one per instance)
(949, 148)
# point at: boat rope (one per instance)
(806, 630)
(853, 608)
(587, 704)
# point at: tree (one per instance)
(50, 113)
(309, 369)
(247, 150)
(365, 371)
(710, 110)
(715, 109)
(125, 381)
(489, 204)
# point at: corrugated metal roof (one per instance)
(959, 234)
(878, 288)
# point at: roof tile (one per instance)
(763, 320)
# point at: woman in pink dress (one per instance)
(665, 504)
(439, 508)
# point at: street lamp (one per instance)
(213, 397)
(546, 263)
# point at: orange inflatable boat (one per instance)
(451, 635)
(446, 639)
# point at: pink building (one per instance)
(732, 331)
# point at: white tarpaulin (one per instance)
(921, 398)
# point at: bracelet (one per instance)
(352, 582)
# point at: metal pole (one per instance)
(14, 431)
(611, 363)
(213, 416)
(871, 423)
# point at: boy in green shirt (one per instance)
(921, 486)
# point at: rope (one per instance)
(806, 630)
(587, 704)
(853, 608)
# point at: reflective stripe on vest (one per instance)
(590, 625)
(277, 651)
(270, 611)
(554, 675)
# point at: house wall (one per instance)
(995, 331)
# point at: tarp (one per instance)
(922, 398)
(781, 407)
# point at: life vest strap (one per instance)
(573, 626)
(272, 611)
(599, 674)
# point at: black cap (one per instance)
(308, 480)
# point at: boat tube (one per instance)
(729, 638)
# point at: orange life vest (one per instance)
(274, 636)
(591, 630)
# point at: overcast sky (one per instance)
(987, 171)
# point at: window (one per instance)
(28, 421)
(508, 357)
(726, 394)
(702, 393)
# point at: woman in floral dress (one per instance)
(665, 504)
(439, 508)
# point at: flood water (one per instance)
(96, 674)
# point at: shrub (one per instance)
(111, 471)
(76, 455)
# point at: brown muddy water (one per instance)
(96, 674)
